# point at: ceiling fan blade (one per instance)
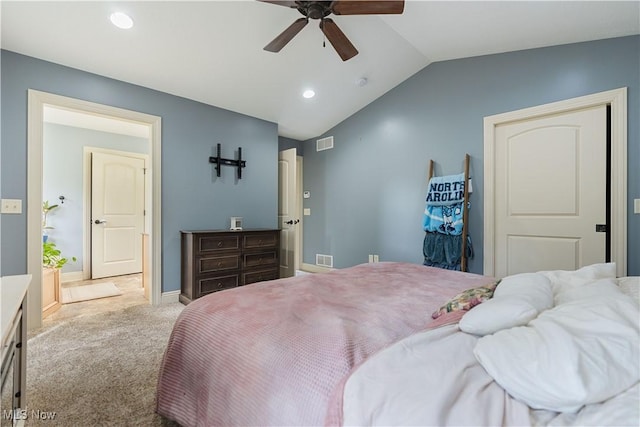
(338, 40)
(286, 3)
(365, 7)
(285, 37)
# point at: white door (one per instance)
(117, 214)
(550, 192)
(288, 217)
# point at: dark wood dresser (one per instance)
(213, 260)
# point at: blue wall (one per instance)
(367, 193)
(287, 143)
(192, 196)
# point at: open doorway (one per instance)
(93, 168)
(38, 103)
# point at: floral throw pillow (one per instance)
(467, 299)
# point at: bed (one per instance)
(360, 346)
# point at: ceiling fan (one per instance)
(320, 10)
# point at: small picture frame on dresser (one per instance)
(236, 223)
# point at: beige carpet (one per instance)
(99, 370)
(89, 292)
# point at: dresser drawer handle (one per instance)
(260, 242)
(219, 244)
(219, 284)
(220, 264)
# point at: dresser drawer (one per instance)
(214, 260)
(260, 240)
(216, 243)
(259, 259)
(261, 275)
(208, 264)
(218, 283)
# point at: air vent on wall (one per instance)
(324, 143)
(324, 260)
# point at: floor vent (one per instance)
(324, 143)
(324, 260)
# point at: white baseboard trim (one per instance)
(312, 268)
(170, 297)
(72, 276)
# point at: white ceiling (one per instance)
(211, 51)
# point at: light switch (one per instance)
(636, 206)
(307, 211)
(11, 206)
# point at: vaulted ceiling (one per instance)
(212, 51)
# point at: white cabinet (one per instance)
(13, 292)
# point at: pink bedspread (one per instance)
(272, 353)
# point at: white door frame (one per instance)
(37, 100)
(86, 204)
(617, 98)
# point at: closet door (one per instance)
(551, 192)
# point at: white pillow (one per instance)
(534, 287)
(496, 314)
(580, 352)
(516, 301)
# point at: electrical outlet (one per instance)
(11, 206)
(376, 258)
(370, 258)
(636, 206)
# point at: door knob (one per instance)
(99, 221)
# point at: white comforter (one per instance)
(577, 362)
(432, 379)
(621, 410)
(429, 379)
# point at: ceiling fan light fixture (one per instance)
(121, 20)
(309, 93)
(320, 10)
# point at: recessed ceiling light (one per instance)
(309, 93)
(121, 20)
